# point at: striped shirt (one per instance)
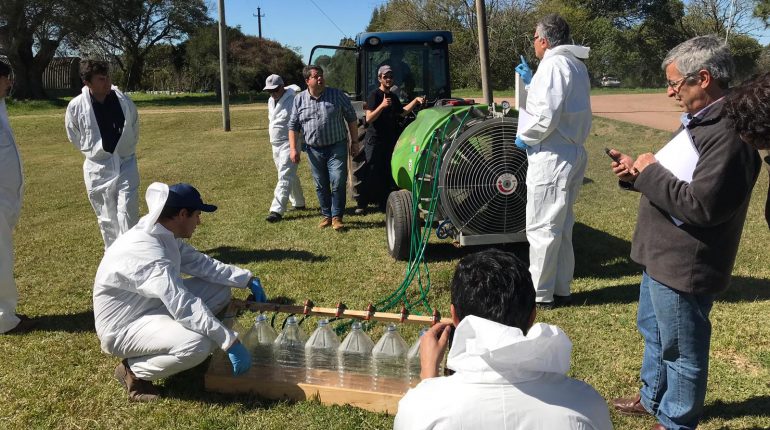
(324, 120)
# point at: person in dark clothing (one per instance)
(686, 263)
(748, 106)
(383, 111)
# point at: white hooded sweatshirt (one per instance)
(504, 380)
(141, 274)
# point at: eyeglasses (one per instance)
(384, 77)
(677, 84)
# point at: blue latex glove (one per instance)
(520, 143)
(256, 289)
(240, 358)
(524, 71)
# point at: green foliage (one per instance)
(746, 51)
(250, 59)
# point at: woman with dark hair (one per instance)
(748, 106)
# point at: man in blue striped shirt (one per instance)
(326, 117)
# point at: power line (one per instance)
(327, 17)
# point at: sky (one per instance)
(302, 23)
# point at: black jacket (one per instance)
(698, 256)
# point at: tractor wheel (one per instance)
(398, 224)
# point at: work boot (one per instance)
(24, 326)
(326, 222)
(273, 217)
(138, 390)
(337, 224)
(630, 405)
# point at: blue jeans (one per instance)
(677, 333)
(329, 165)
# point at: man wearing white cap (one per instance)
(279, 108)
(146, 314)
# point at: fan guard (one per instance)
(483, 179)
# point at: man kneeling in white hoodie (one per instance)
(510, 373)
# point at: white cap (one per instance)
(273, 82)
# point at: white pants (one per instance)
(289, 186)
(553, 183)
(114, 200)
(9, 296)
(157, 346)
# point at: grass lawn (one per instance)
(57, 377)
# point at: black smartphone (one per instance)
(615, 159)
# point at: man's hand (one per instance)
(643, 161)
(256, 289)
(433, 345)
(294, 155)
(524, 71)
(520, 143)
(623, 166)
(239, 357)
(386, 101)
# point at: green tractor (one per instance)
(455, 162)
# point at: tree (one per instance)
(128, 29)
(31, 31)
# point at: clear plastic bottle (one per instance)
(413, 360)
(259, 341)
(354, 358)
(389, 362)
(321, 354)
(289, 351)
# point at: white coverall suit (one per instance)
(112, 179)
(504, 380)
(289, 186)
(559, 100)
(144, 311)
(11, 191)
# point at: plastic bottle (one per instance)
(289, 351)
(321, 354)
(354, 358)
(413, 360)
(259, 341)
(389, 362)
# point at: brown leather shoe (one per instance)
(326, 222)
(138, 390)
(658, 426)
(630, 405)
(25, 325)
(337, 223)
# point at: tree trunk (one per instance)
(134, 71)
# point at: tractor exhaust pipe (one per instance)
(481, 21)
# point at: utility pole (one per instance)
(259, 20)
(223, 67)
(481, 20)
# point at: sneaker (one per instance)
(138, 390)
(273, 217)
(337, 223)
(24, 326)
(297, 208)
(360, 211)
(326, 222)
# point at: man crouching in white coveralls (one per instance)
(147, 314)
(103, 124)
(560, 104)
(509, 372)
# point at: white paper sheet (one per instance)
(679, 157)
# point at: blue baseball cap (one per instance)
(184, 195)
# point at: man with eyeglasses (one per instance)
(383, 110)
(327, 119)
(560, 103)
(686, 264)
